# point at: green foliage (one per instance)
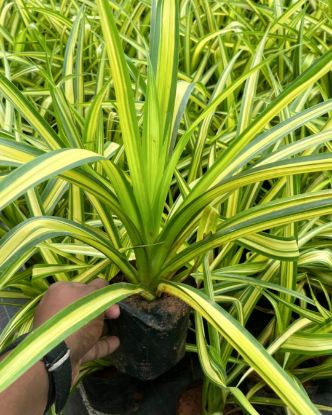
(139, 137)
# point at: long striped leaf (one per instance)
(231, 161)
(41, 270)
(152, 137)
(35, 230)
(291, 149)
(125, 100)
(164, 58)
(224, 276)
(65, 118)
(203, 132)
(88, 180)
(91, 122)
(40, 169)
(314, 344)
(184, 218)
(248, 347)
(250, 88)
(69, 58)
(21, 103)
(256, 219)
(240, 152)
(215, 374)
(272, 247)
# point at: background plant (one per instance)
(217, 140)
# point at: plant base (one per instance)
(152, 336)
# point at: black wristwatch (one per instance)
(58, 366)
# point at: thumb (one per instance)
(97, 283)
(102, 348)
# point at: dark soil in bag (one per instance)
(152, 336)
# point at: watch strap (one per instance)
(58, 366)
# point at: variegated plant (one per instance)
(187, 151)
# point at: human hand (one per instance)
(85, 344)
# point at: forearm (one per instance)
(28, 395)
